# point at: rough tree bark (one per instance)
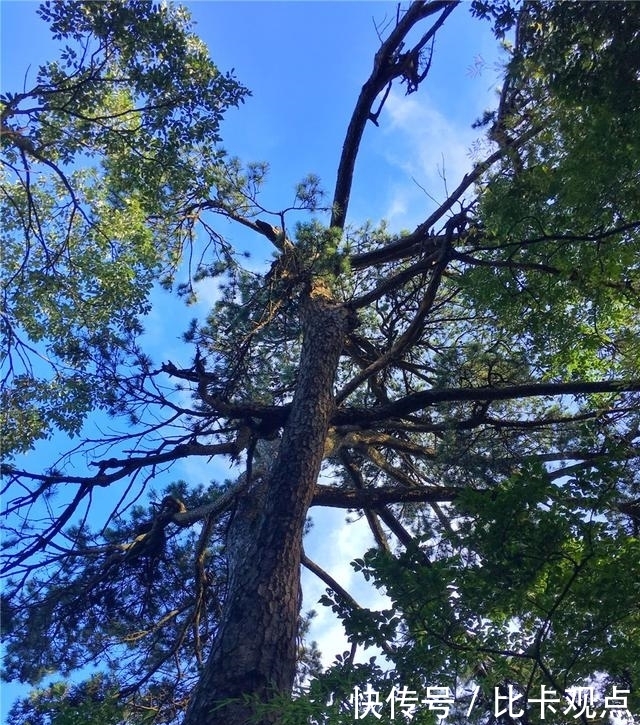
(255, 649)
(254, 655)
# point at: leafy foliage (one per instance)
(105, 161)
(567, 200)
(65, 704)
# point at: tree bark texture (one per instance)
(254, 654)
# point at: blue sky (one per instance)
(305, 63)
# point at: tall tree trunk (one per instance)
(254, 654)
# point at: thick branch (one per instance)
(418, 401)
(374, 498)
(386, 67)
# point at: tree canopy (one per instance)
(104, 158)
(470, 388)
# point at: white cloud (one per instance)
(431, 151)
(333, 544)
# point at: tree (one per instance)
(104, 159)
(471, 387)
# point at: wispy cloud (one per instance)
(333, 544)
(431, 152)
